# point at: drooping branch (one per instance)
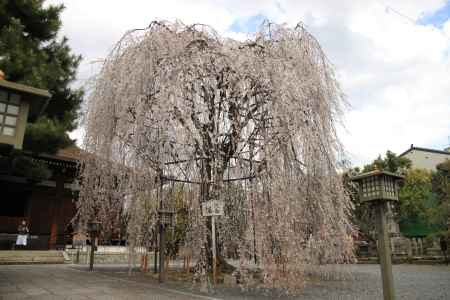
(250, 123)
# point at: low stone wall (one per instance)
(105, 255)
(31, 257)
(415, 260)
(403, 247)
(34, 242)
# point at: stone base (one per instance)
(434, 251)
(400, 246)
(229, 280)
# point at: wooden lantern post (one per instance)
(166, 219)
(380, 187)
(93, 228)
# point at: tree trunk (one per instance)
(209, 193)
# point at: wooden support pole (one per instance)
(77, 260)
(155, 250)
(161, 254)
(91, 257)
(213, 237)
(384, 253)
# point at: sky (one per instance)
(392, 58)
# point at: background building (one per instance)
(423, 158)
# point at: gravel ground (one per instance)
(350, 282)
(113, 282)
(410, 281)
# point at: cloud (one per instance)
(391, 57)
(394, 71)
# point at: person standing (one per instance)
(444, 247)
(22, 234)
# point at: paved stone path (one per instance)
(112, 282)
(63, 282)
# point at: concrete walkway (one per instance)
(63, 282)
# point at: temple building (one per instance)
(47, 205)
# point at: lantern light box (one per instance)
(378, 185)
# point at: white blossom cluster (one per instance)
(250, 123)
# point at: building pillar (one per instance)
(53, 235)
(56, 210)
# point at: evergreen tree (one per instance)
(441, 187)
(416, 196)
(32, 53)
(391, 163)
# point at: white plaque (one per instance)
(212, 208)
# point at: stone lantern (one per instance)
(379, 187)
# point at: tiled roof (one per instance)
(71, 152)
(425, 150)
(68, 156)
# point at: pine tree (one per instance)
(32, 53)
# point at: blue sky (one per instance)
(248, 25)
(437, 18)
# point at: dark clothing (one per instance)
(443, 245)
(23, 229)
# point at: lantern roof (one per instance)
(38, 98)
(24, 88)
(376, 173)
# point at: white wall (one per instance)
(426, 160)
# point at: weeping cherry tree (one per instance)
(250, 123)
